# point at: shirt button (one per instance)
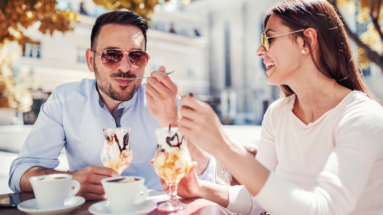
(112, 119)
(122, 105)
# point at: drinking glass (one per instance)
(116, 153)
(171, 162)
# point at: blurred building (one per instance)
(175, 40)
(210, 44)
(237, 76)
(372, 75)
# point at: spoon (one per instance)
(168, 73)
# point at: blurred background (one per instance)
(210, 44)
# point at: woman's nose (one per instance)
(261, 51)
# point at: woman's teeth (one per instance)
(269, 65)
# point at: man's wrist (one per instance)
(173, 121)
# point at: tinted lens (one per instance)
(111, 58)
(138, 58)
(264, 41)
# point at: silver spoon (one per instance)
(168, 73)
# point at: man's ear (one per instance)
(89, 59)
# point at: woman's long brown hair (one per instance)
(334, 58)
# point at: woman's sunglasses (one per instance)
(265, 39)
(112, 57)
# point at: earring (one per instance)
(303, 51)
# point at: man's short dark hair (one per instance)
(119, 17)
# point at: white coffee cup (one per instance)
(51, 191)
(124, 196)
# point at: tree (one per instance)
(14, 91)
(370, 43)
(18, 15)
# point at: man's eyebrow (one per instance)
(113, 47)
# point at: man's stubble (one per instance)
(107, 87)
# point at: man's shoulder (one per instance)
(83, 86)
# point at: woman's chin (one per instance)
(272, 81)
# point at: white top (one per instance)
(331, 166)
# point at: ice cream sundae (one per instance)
(116, 153)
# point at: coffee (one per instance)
(51, 178)
(124, 180)
(51, 191)
(124, 193)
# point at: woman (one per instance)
(321, 149)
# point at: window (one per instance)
(185, 32)
(160, 26)
(81, 55)
(227, 56)
(98, 10)
(156, 63)
(32, 51)
(191, 71)
(360, 29)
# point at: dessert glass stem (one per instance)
(173, 192)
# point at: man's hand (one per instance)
(90, 180)
(161, 94)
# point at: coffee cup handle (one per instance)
(73, 188)
(141, 194)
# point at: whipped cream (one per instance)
(170, 140)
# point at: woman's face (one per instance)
(284, 57)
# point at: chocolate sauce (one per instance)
(123, 180)
(117, 180)
(42, 179)
(168, 139)
(161, 149)
(109, 140)
(179, 142)
(125, 142)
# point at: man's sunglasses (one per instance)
(112, 57)
(265, 39)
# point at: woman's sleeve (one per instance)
(343, 178)
(240, 200)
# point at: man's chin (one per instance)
(123, 93)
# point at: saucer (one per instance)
(102, 208)
(30, 206)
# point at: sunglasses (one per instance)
(265, 39)
(112, 57)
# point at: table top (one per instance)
(195, 206)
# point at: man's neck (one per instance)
(110, 103)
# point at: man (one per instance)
(76, 113)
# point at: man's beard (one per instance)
(107, 88)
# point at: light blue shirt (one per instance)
(74, 117)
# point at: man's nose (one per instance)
(125, 64)
(261, 51)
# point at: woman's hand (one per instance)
(201, 125)
(189, 186)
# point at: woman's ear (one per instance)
(311, 39)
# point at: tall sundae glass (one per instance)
(116, 153)
(171, 162)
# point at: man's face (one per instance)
(114, 82)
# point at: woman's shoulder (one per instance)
(358, 106)
(358, 101)
(283, 104)
(280, 108)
